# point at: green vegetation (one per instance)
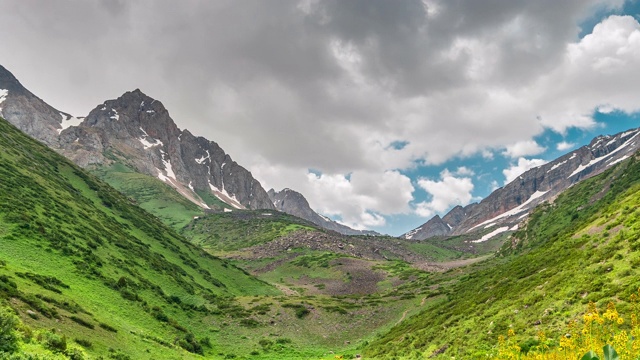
(77, 256)
(580, 249)
(85, 273)
(240, 229)
(150, 194)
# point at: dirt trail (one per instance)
(444, 266)
(286, 290)
(404, 315)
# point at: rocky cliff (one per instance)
(136, 130)
(29, 113)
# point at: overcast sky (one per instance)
(382, 113)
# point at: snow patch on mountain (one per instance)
(495, 232)
(557, 166)
(115, 115)
(3, 97)
(68, 121)
(515, 211)
(204, 158)
(409, 235)
(146, 143)
(224, 196)
(618, 149)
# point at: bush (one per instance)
(75, 353)
(53, 341)
(8, 335)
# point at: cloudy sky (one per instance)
(382, 113)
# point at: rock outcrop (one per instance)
(137, 130)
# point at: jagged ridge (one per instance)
(509, 205)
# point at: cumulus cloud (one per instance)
(563, 145)
(359, 199)
(523, 148)
(445, 193)
(333, 85)
(515, 170)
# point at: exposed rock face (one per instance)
(507, 206)
(28, 112)
(137, 130)
(432, 228)
(294, 203)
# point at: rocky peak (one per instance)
(507, 206)
(28, 112)
(138, 131)
(10, 83)
(294, 203)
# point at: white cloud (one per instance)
(523, 148)
(563, 145)
(463, 170)
(445, 193)
(338, 81)
(360, 199)
(518, 169)
(596, 74)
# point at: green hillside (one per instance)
(150, 194)
(239, 229)
(582, 248)
(79, 262)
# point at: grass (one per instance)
(76, 253)
(114, 281)
(242, 228)
(580, 249)
(150, 194)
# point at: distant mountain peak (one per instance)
(136, 130)
(294, 203)
(509, 205)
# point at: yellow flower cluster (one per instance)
(591, 334)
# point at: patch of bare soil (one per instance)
(444, 266)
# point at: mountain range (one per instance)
(137, 131)
(88, 270)
(506, 207)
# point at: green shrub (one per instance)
(8, 335)
(53, 341)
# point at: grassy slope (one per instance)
(74, 247)
(582, 248)
(150, 194)
(240, 229)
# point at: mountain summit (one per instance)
(136, 130)
(504, 208)
(294, 203)
(29, 113)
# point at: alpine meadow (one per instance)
(320, 179)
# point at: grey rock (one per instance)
(294, 203)
(28, 112)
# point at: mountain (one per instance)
(136, 131)
(294, 203)
(504, 208)
(79, 258)
(29, 113)
(573, 254)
